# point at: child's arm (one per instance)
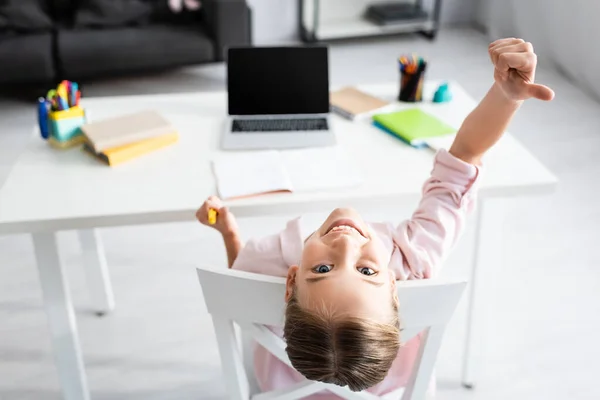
(514, 72)
(225, 225)
(263, 255)
(448, 195)
(233, 245)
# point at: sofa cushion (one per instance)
(112, 13)
(63, 11)
(26, 58)
(90, 53)
(24, 15)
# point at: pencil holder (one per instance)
(64, 127)
(411, 85)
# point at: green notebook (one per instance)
(412, 126)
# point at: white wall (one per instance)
(456, 12)
(481, 16)
(560, 31)
(276, 21)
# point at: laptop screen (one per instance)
(278, 80)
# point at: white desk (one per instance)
(49, 191)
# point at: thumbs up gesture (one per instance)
(514, 70)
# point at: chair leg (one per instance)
(231, 360)
(473, 334)
(423, 369)
(248, 357)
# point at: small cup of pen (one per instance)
(412, 75)
(60, 116)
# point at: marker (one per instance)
(212, 216)
(55, 105)
(69, 89)
(74, 90)
(62, 90)
(51, 97)
(63, 96)
(43, 116)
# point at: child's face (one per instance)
(345, 268)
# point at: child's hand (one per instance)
(514, 70)
(225, 224)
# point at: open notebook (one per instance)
(301, 170)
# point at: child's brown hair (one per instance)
(350, 351)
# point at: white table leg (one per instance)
(96, 271)
(472, 335)
(61, 318)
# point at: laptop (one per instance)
(278, 97)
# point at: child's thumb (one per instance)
(541, 92)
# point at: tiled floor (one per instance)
(541, 266)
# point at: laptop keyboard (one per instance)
(276, 125)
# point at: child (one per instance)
(341, 322)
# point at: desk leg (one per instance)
(61, 318)
(473, 334)
(96, 271)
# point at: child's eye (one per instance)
(366, 271)
(322, 269)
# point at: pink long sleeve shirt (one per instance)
(417, 247)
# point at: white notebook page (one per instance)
(246, 174)
(300, 170)
(321, 168)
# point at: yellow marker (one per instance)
(212, 216)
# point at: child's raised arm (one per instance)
(514, 73)
(448, 195)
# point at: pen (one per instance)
(212, 216)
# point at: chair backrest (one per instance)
(253, 300)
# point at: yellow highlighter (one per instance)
(212, 216)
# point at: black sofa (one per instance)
(43, 41)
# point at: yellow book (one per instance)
(121, 154)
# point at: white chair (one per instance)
(252, 301)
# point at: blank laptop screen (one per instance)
(278, 80)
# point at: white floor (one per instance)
(541, 270)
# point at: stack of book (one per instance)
(121, 139)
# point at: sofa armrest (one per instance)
(228, 23)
